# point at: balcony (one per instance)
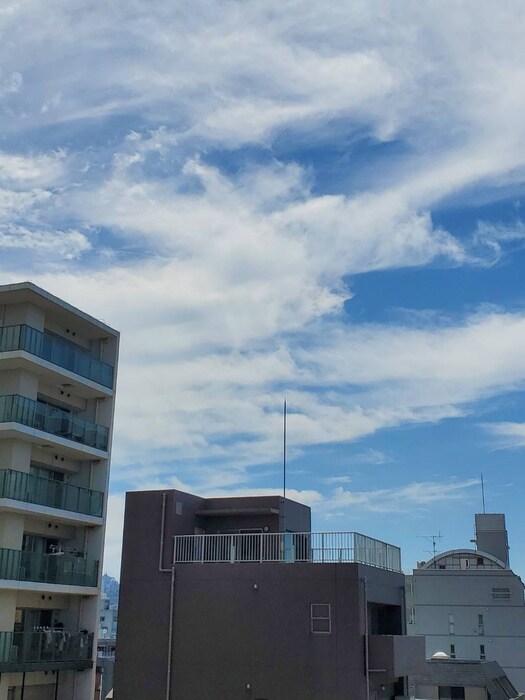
(57, 351)
(59, 568)
(309, 547)
(56, 421)
(21, 486)
(45, 650)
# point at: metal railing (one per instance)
(17, 565)
(57, 351)
(21, 486)
(44, 647)
(311, 547)
(42, 416)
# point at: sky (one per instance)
(321, 201)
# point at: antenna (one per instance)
(284, 448)
(433, 539)
(482, 492)
(284, 465)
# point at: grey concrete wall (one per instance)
(465, 595)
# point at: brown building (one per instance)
(235, 598)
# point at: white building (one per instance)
(57, 379)
(469, 604)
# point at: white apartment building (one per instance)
(469, 604)
(57, 390)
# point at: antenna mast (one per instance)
(433, 539)
(482, 492)
(284, 448)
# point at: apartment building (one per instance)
(469, 604)
(57, 390)
(236, 599)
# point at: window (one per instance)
(411, 616)
(452, 651)
(409, 586)
(501, 594)
(178, 507)
(481, 625)
(451, 624)
(480, 561)
(447, 692)
(320, 618)
(482, 652)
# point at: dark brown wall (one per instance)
(226, 633)
(141, 654)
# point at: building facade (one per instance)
(57, 388)
(235, 598)
(448, 679)
(469, 604)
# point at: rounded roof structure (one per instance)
(431, 563)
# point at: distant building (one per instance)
(110, 589)
(105, 668)
(235, 598)
(469, 604)
(445, 679)
(108, 616)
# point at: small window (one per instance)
(501, 594)
(411, 616)
(320, 618)
(452, 651)
(482, 652)
(480, 561)
(178, 507)
(451, 624)
(481, 625)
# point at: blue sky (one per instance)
(282, 198)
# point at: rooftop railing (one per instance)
(59, 568)
(21, 486)
(45, 649)
(310, 547)
(57, 351)
(42, 416)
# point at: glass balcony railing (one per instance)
(28, 488)
(16, 565)
(45, 649)
(59, 352)
(42, 416)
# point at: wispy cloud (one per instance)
(506, 435)
(198, 179)
(416, 496)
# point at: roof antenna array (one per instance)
(433, 540)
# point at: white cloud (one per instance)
(507, 435)
(229, 284)
(402, 499)
(35, 170)
(68, 244)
